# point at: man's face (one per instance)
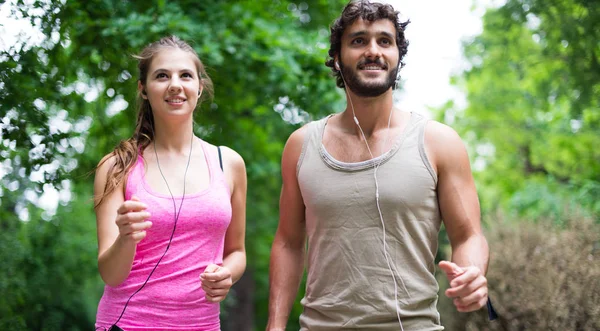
(369, 57)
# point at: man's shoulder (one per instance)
(443, 144)
(299, 134)
(437, 132)
(318, 121)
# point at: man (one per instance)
(364, 193)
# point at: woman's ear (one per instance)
(142, 90)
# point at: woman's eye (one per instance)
(161, 75)
(187, 75)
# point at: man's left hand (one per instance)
(468, 286)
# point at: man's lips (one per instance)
(372, 66)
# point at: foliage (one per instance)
(68, 101)
(541, 278)
(48, 266)
(533, 94)
(532, 124)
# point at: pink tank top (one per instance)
(173, 298)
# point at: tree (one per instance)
(533, 94)
(68, 101)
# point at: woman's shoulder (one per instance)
(229, 155)
(107, 162)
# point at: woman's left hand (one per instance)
(216, 282)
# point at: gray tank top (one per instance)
(349, 284)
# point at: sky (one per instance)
(435, 34)
(434, 53)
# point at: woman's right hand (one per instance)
(131, 220)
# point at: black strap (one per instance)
(491, 311)
(220, 158)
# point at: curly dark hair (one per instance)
(368, 11)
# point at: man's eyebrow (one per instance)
(357, 33)
(363, 32)
(387, 34)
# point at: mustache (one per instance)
(376, 62)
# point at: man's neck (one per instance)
(373, 113)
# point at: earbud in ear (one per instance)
(199, 92)
(337, 65)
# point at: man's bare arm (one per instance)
(287, 252)
(459, 206)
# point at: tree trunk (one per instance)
(239, 314)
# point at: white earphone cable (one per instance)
(375, 168)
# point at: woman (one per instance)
(170, 207)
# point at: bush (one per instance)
(540, 278)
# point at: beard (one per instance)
(368, 89)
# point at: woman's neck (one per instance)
(173, 138)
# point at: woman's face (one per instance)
(172, 85)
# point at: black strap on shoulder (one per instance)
(220, 158)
